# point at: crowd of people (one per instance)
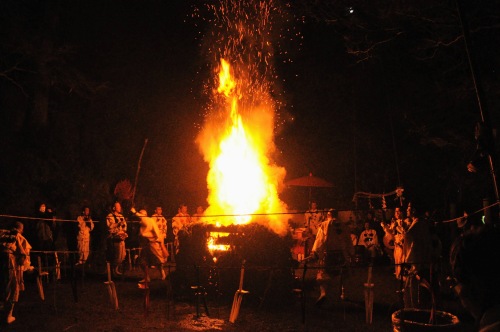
(407, 240)
(413, 247)
(408, 243)
(154, 235)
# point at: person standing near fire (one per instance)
(45, 227)
(199, 216)
(160, 221)
(151, 241)
(394, 238)
(14, 251)
(418, 255)
(375, 225)
(312, 222)
(369, 239)
(85, 226)
(334, 249)
(117, 233)
(180, 225)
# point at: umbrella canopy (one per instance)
(308, 181)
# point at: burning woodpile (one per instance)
(213, 257)
(245, 218)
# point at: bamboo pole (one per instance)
(138, 170)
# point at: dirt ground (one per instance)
(79, 301)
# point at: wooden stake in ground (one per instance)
(146, 291)
(238, 296)
(369, 297)
(303, 293)
(170, 293)
(111, 289)
(58, 267)
(39, 279)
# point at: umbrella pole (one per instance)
(310, 197)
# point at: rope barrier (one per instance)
(204, 216)
(43, 219)
(208, 217)
(473, 213)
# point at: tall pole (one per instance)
(485, 119)
(138, 170)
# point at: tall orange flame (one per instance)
(242, 182)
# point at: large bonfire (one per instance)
(237, 138)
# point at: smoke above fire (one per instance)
(237, 137)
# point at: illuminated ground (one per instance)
(90, 309)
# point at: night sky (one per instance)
(379, 98)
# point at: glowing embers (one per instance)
(223, 239)
(214, 244)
